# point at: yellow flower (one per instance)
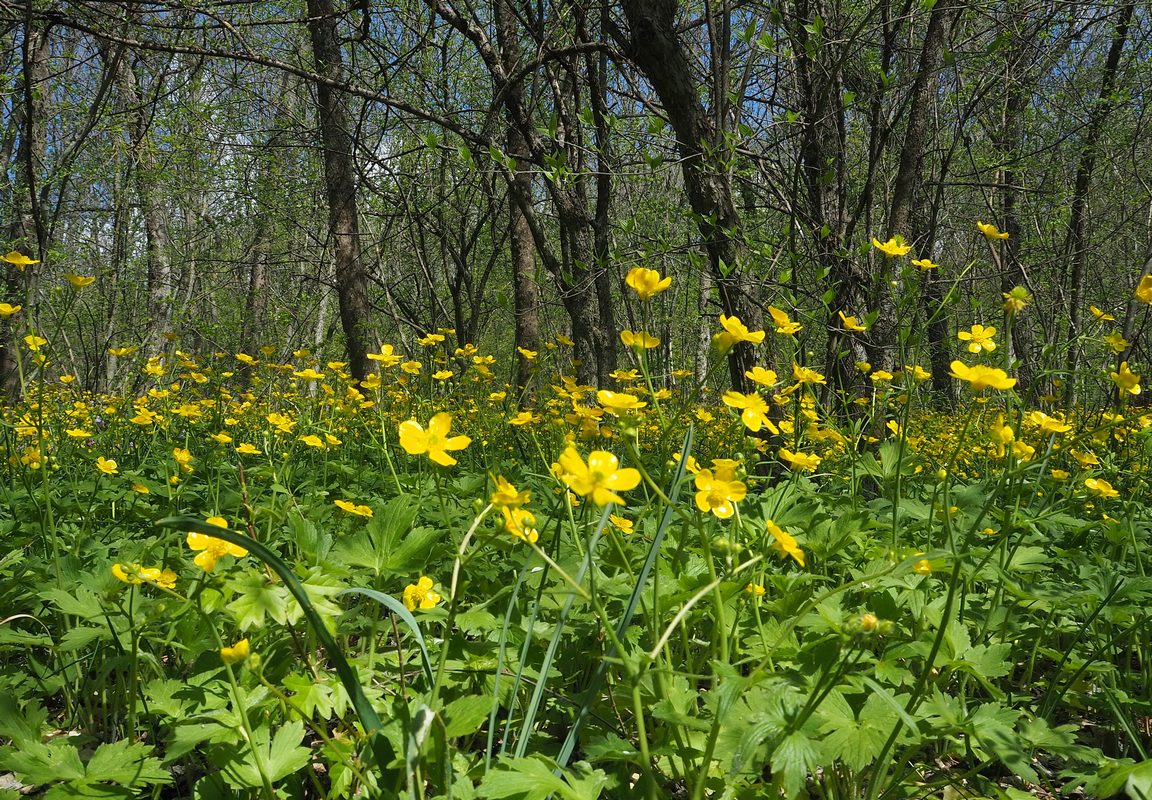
(784, 324)
(881, 376)
(753, 410)
(352, 508)
(978, 338)
(638, 340)
(617, 402)
(236, 653)
(800, 461)
(754, 589)
(309, 374)
(312, 440)
(18, 260)
(1046, 423)
(893, 247)
(443, 374)
(1100, 487)
(135, 574)
(79, 281)
(7, 310)
(716, 494)
(851, 323)
(386, 356)
(1144, 290)
(434, 441)
(34, 342)
(521, 523)
(924, 264)
(600, 478)
(917, 372)
(247, 449)
(734, 332)
(1101, 316)
(1016, 300)
(78, 433)
(411, 367)
(1126, 381)
(430, 340)
(922, 567)
(991, 231)
(869, 622)
(524, 418)
(107, 465)
(528, 354)
(764, 377)
(420, 594)
(210, 548)
(784, 543)
(221, 438)
(507, 495)
(646, 282)
(1117, 342)
(1060, 474)
(804, 375)
(622, 524)
(1086, 460)
(982, 377)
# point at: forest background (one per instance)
(238, 175)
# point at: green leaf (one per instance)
(794, 758)
(40, 764)
(310, 696)
(126, 763)
(532, 778)
(258, 597)
(464, 716)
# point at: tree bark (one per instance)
(1077, 242)
(340, 186)
(26, 231)
(656, 49)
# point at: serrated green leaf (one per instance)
(257, 598)
(126, 763)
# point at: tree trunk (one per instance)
(25, 231)
(655, 47)
(340, 186)
(1077, 241)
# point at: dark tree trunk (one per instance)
(655, 47)
(1077, 242)
(340, 185)
(25, 232)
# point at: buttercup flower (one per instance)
(353, 508)
(507, 496)
(924, 264)
(600, 478)
(734, 332)
(646, 282)
(212, 549)
(434, 441)
(851, 323)
(990, 231)
(784, 324)
(520, 522)
(1126, 381)
(800, 461)
(107, 465)
(978, 338)
(8, 310)
(982, 377)
(784, 543)
(1016, 300)
(638, 340)
(618, 402)
(420, 594)
(236, 653)
(893, 247)
(18, 260)
(718, 492)
(1100, 487)
(1144, 290)
(753, 410)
